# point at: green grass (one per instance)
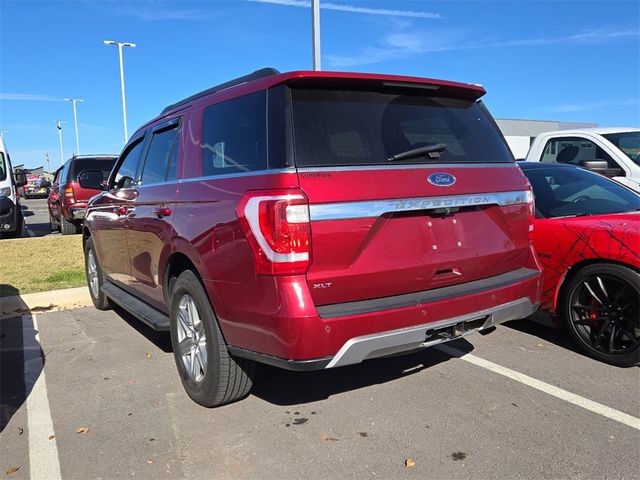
(30, 265)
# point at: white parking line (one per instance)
(43, 450)
(572, 398)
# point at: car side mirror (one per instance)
(601, 167)
(91, 179)
(598, 166)
(20, 177)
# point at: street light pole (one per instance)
(124, 103)
(315, 32)
(75, 120)
(59, 126)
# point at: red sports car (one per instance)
(587, 236)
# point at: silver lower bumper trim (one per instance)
(77, 213)
(382, 344)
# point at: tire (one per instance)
(209, 374)
(55, 226)
(95, 278)
(20, 230)
(600, 307)
(66, 227)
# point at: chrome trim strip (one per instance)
(273, 171)
(375, 208)
(422, 166)
(380, 344)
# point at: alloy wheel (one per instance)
(192, 339)
(92, 273)
(605, 314)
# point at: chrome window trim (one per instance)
(421, 166)
(254, 173)
(375, 208)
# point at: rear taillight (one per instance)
(68, 193)
(532, 211)
(277, 226)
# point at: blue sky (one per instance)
(561, 60)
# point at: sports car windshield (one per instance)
(628, 142)
(571, 192)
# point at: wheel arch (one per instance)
(178, 262)
(86, 233)
(575, 268)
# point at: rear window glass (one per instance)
(234, 136)
(3, 168)
(628, 142)
(79, 165)
(349, 127)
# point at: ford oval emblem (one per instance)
(441, 179)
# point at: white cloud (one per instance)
(353, 9)
(402, 44)
(29, 97)
(151, 11)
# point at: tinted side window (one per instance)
(158, 155)
(234, 136)
(126, 173)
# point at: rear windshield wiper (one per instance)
(419, 152)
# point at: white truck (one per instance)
(614, 152)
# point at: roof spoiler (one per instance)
(263, 72)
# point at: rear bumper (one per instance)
(74, 214)
(286, 329)
(392, 342)
(77, 213)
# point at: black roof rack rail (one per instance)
(263, 72)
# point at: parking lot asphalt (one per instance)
(97, 395)
(36, 217)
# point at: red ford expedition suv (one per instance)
(312, 220)
(67, 199)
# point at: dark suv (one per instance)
(67, 199)
(312, 220)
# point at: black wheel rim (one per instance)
(605, 314)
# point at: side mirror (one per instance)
(598, 166)
(20, 177)
(601, 167)
(91, 179)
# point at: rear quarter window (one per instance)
(350, 127)
(234, 136)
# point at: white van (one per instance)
(11, 220)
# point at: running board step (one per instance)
(149, 315)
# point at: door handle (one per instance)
(162, 212)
